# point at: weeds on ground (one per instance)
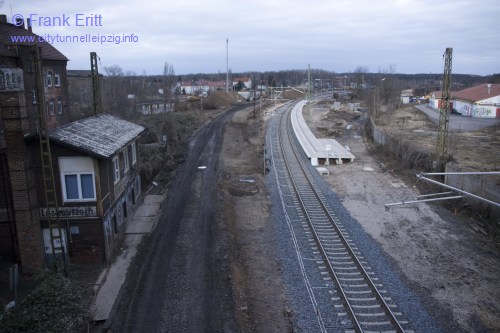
(57, 304)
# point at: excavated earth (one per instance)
(452, 267)
(219, 272)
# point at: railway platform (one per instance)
(317, 149)
(110, 281)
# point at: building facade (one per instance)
(481, 101)
(96, 173)
(95, 162)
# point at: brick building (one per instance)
(97, 189)
(97, 183)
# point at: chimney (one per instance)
(28, 25)
(19, 22)
(3, 19)
(489, 88)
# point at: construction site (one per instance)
(76, 180)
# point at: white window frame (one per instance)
(52, 110)
(125, 159)
(59, 106)
(116, 169)
(49, 78)
(134, 153)
(79, 184)
(57, 80)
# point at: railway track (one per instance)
(361, 303)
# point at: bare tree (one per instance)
(359, 82)
(168, 69)
(113, 70)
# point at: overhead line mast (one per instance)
(96, 84)
(444, 113)
(56, 231)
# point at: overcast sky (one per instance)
(409, 36)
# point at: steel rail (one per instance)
(385, 307)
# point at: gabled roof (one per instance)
(242, 79)
(102, 135)
(478, 93)
(8, 48)
(80, 72)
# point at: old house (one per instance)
(247, 82)
(97, 179)
(95, 161)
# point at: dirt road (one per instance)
(181, 279)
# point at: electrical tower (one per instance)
(444, 113)
(55, 230)
(96, 84)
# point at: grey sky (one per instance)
(336, 35)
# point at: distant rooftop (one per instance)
(479, 92)
(102, 135)
(476, 93)
(8, 48)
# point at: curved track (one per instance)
(360, 298)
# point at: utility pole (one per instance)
(96, 84)
(308, 94)
(227, 64)
(444, 112)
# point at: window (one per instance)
(124, 206)
(77, 177)
(115, 225)
(34, 96)
(116, 169)
(51, 108)
(49, 79)
(134, 153)
(59, 105)
(79, 187)
(57, 80)
(125, 159)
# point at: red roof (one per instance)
(242, 79)
(8, 49)
(474, 94)
(478, 93)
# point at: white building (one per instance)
(480, 101)
(245, 80)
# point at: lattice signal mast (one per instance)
(57, 241)
(444, 112)
(96, 84)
